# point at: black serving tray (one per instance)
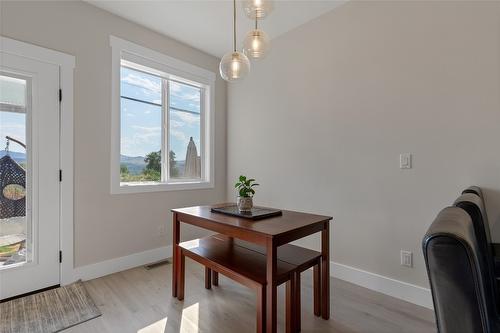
(257, 213)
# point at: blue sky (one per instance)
(13, 125)
(141, 123)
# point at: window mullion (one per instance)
(203, 139)
(164, 132)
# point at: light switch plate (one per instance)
(405, 161)
(406, 258)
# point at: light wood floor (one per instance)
(140, 301)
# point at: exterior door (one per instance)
(29, 175)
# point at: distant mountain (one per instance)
(18, 157)
(135, 164)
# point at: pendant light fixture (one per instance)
(257, 8)
(256, 43)
(234, 65)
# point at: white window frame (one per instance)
(166, 67)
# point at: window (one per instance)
(164, 111)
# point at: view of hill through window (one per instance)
(142, 105)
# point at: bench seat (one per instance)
(246, 263)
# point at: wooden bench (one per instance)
(245, 263)
(298, 256)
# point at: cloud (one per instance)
(188, 118)
(175, 123)
(149, 86)
(179, 136)
(143, 140)
(143, 132)
(185, 93)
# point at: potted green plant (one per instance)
(245, 188)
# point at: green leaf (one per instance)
(243, 178)
(255, 184)
(236, 185)
(252, 190)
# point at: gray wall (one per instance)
(321, 123)
(109, 226)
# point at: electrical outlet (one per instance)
(406, 258)
(405, 161)
(162, 230)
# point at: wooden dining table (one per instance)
(270, 233)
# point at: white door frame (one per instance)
(66, 65)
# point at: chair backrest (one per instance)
(461, 284)
(474, 205)
(474, 189)
(477, 191)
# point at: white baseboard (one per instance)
(120, 264)
(383, 284)
(395, 288)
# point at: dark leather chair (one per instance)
(472, 201)
(475, 190)
(461, 283)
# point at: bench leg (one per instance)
(215, 278)
(182, 276)
(290, 304)
(261, 309)
(317, 289)
(208, 278)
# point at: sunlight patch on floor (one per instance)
(190, 319)
(156, 327)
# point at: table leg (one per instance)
(271, 292)
(298, 307)
(175, 254)
(325, 271)
(317, 288)
(290, 304)
(182, 277)
(215, 278)
(261, 309)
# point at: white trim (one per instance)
(383, 284)
(115, 265)
(67, 190)
(160, 187)
(34, 52)
(174, 66)
(66, 65)
(124, 50)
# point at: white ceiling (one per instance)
(207, 24)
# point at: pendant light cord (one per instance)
(234, 25)
(256, 19)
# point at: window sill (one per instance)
(146, 187)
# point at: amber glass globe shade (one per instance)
(257, 8)
(256, 44)
(234, 66)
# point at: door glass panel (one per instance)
(15, 224)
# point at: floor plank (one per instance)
(140, 301)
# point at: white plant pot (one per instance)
(245, 204)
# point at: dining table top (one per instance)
(289, 221)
